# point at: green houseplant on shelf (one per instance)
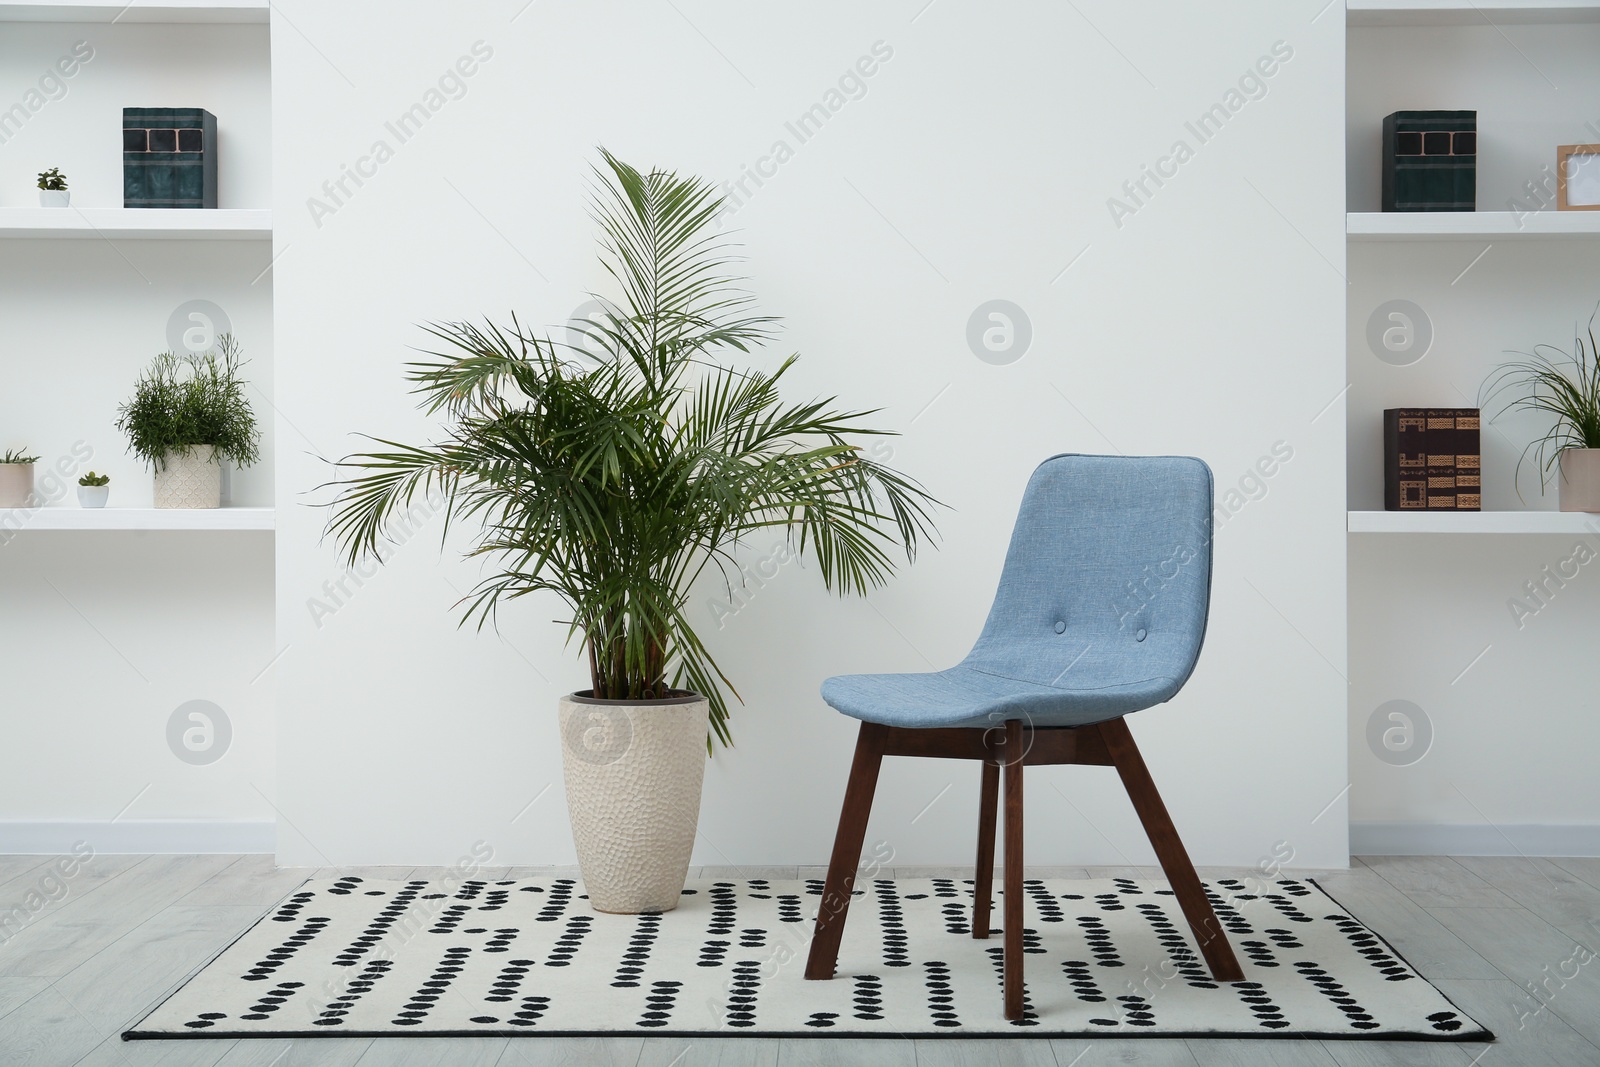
(613, 475)
(187, 415)
(93, 489)
(16, 478)
(53, 189)
(1564, 387)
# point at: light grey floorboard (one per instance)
(1246, 1053)
(1585, 867)
(315, 1052)
(823, 1052)
(1103, 1052)
(573, 1052)
(14, 992)
(1524, 1039)
(1400, 1053)
(975, 1052)
(47, 1031)
(1545, 888)
(433, 1052)
(115, 1052)
(41, 902)
(17, 869)
(709, 1052)
(1425, 942)
(1437, 882)
(249, 880)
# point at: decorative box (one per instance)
(169, 157)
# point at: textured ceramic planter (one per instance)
(633, 770)
(93, 496)
(1580, 479)
(189, 479)
(16, 485)
(55, 197)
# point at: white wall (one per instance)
(104, 635)
(978, 165)
(1499, 776)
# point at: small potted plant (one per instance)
(16, 479)
(1565, 387)
(93, 489)
(188, 413)
(53, 189)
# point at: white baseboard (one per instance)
(1473, 839)
(135, 836)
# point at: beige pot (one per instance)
(1580, 479)
(633, 770)
(16, 485)
(191, 478)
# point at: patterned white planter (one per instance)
(189, 479)
(16, 485)
(633, 770)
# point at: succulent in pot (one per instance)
(187, 415)
(53, 189)
(93, 489)
(16, 479)
(613, 474)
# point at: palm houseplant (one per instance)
(615, 473)
(16, 478)
(187, 415)
(1564, 388)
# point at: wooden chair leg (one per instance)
(1208, 933)
(1014, 753)
(824, 957)
(983, 883)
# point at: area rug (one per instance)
(349, 957)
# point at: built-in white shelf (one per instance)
(70, 518)
(234, 11)
(141, 224)
(1474, 522)
(1469, 225)
(1457, 13)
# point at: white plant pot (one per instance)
(633, 770)
(189, 479)
(1580, 479)
(16, 485)
(93, 496)
(55, 197)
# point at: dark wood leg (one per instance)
(1013, 874)
(983, 883)
(1208, 933)
(847, 843)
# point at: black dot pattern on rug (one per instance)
(567, 944)
(1284, 939)
(955, 918)
(868, 997)
(789, 908)
(1445, 1020)
(1109, 901)
(941, 994)
(724, 904)
(822, 1019)
(1286, 906)
(658, 1005)
(1031, 941)
(1084, 987)
(285, 950)
(531, 1011)
(1295, 887)
(1136, 1011)
(450, 918)
(394, 912)
(344, 885)
(752, 938)
(1258, 952)
(471, 889)
(814, 887)
(891, 920)
(646, 929)
(1357, 1016)
(508, 982)
(1098, 940)
(494, 899)
(713, 952)
(997, 957)
(555, 904)
(359, 986)
(1366, 943)
(1254, 995)
(1127, 887)
(501, 941)
(431, 991)
(945, 887)
(290, 909)
(1043, 901)
(1226, 913)
(1184, 960)
(745, 987)
(205, 1019)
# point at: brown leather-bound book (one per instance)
(1405, 459)
(1441, 445)
(1469, 460)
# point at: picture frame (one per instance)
(1578, 177)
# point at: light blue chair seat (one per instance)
(1101, 609)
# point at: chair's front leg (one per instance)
(983, 882)
(847, 843)
(1014, 752)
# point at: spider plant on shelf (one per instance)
(16, 478)
(1564, 387)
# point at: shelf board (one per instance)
(1459, 13)
(70, 518)
(190, 11)
(142, 224)
(1469, 225)
(1473, 522)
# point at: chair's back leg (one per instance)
(983, 883)
(1014, 752)
(847, 843)
(1169, 848)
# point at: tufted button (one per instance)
(1139, 636)
(1061, 626)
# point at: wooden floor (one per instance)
(129, 928)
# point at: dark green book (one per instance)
(169, 157)
(1430, 161)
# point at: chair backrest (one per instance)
(1110, 553)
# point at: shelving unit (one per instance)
(1469, 225)
(210, 11)
(1472, 522)
(67, 518)
(1456, 13)
(148, 224)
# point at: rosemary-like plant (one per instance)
(1558, 384)
(614, 478)
(18, 455)
(195, 399)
